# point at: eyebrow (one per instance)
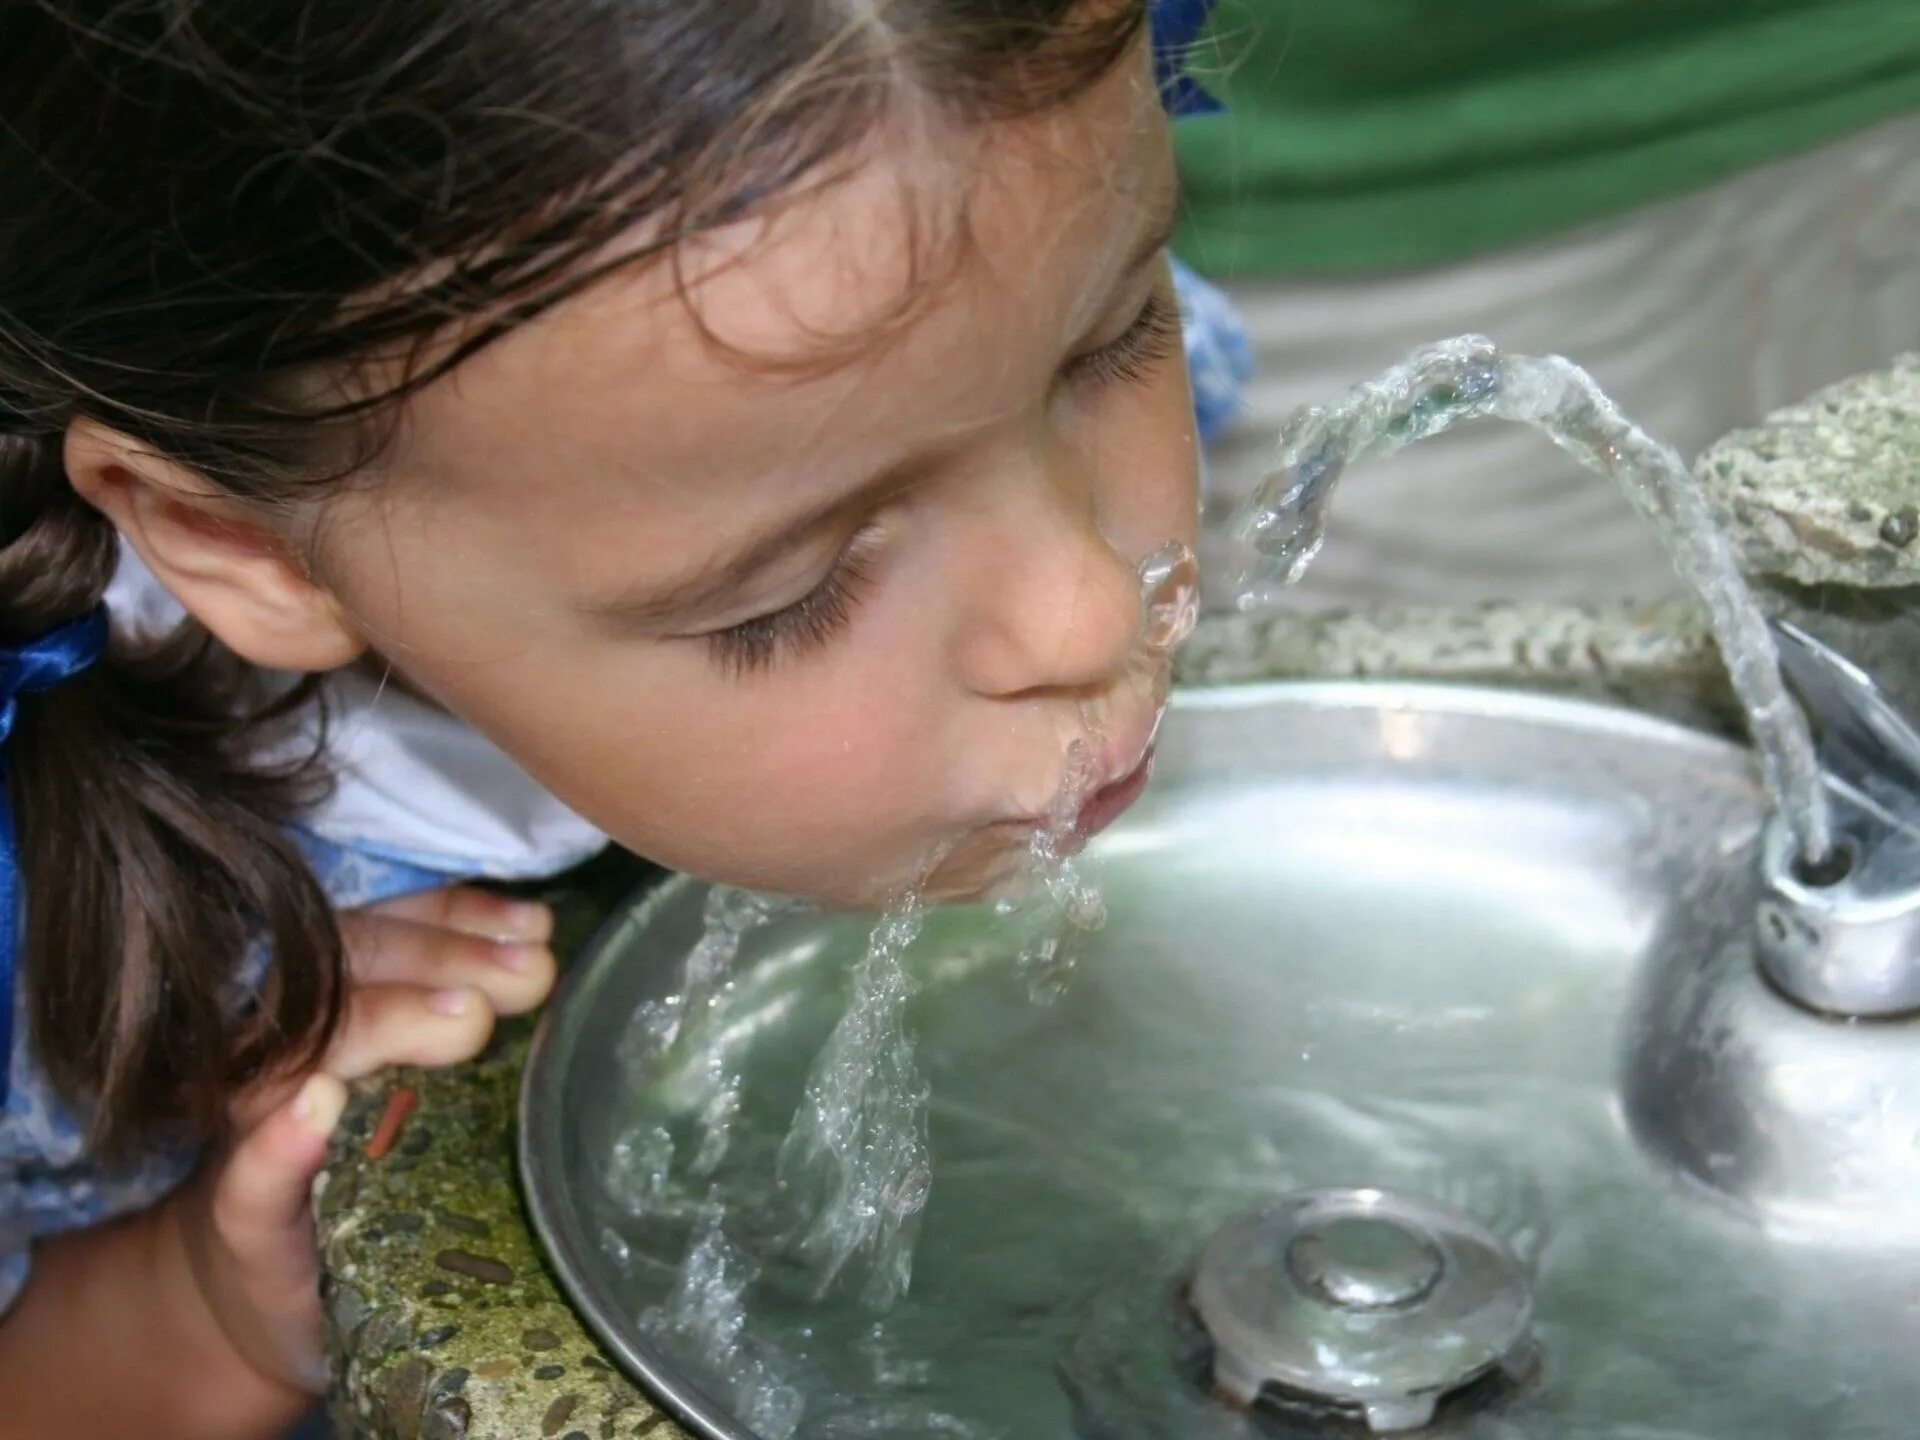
(714, 581)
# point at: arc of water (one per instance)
(1283, 525)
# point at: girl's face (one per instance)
(809, 628)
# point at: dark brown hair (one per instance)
(197, 199)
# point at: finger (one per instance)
(474, 912)
(261, 1221)
(407, 1025)
(384, 949)
(260, 1200)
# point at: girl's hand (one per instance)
(427, 977)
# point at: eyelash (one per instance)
(807, 624)
(818, 616)
(1128, 359)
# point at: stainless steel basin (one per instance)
(1476, 947)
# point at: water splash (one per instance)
(1170, 602)
(706, 1314)
(1060, 905)
(857, 1160)
(1283, 525)
(637, 1169)
(1169, 608)
(731, 916)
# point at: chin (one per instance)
(984, 864)
(989, 865)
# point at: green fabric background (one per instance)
(1384, 134)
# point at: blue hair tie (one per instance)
(28, 669)
(1177, 27)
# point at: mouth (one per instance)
(1114, 799)
(1130, 764)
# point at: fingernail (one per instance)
(518, 958)
(524, 920)
(449, 1002)
(319, 1103)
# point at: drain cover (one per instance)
(1361, 1300)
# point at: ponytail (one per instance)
(150, 844)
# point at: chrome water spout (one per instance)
(1750, 1068)
(1843, 936)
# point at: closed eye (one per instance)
(1132, 355)
(809, 623)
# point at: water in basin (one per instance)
(1406, 937)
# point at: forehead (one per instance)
(940, 258)
(927, 214)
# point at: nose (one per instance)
(1057, 609)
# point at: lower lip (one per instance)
(1110, 802)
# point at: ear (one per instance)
(231, 570)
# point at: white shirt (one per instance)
(413, 783)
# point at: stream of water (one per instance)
(856, 1162)
(1284, 523)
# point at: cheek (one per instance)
(827, 794)
(863, 745)
(831, 759)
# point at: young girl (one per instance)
(747, 418)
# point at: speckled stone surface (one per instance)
(444, 1321)
(1828, 492)
(1656, 656)
(1823, 501)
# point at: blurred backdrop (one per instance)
(1713, 205)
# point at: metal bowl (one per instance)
(1454, 943)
